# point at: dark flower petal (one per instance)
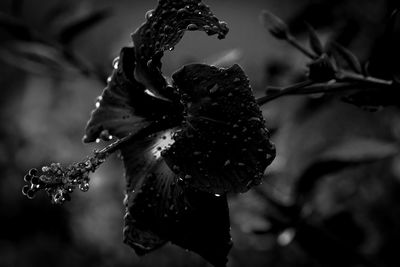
(223, 145)
(125, 106)
(159, 210)
(163, 29)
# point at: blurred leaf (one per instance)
(55, 13)
(71, 31)
(16, 7)
(361, 149)
(349, 153)
(374, 99)
(34, 57)
(351, 60)
(315, 42)
(384, 62)
(311, 175)
(326, 248)
(15, 27)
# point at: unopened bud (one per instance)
(275, 25)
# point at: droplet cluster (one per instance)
(59, 182)
(223, 144)
(165, 26)
(163, 29)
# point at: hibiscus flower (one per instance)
(185, 144)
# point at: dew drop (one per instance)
(115, 63)
(150, 93)
(149, 63)
(192, 27)
(168, 29)
(149, 14)
(84, 187)
(125, 201)
(105, 135)
(214, 88)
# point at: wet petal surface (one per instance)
(158, 209)
(125, 106)
(223, 145)
(163, 29)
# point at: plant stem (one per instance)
(295, 43)
(350, 76)
(344, 81)
(285, 91)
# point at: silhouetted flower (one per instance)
(208, 136)
(191, 140)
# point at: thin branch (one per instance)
(296, 44)
(288, 90)
(350, 76)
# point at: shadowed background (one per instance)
(55, 58)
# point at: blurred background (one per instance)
(331, 197)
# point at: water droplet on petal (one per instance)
(149, 14)
(115, 63)
(150, 93)
(214, 88)
(192, 27)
